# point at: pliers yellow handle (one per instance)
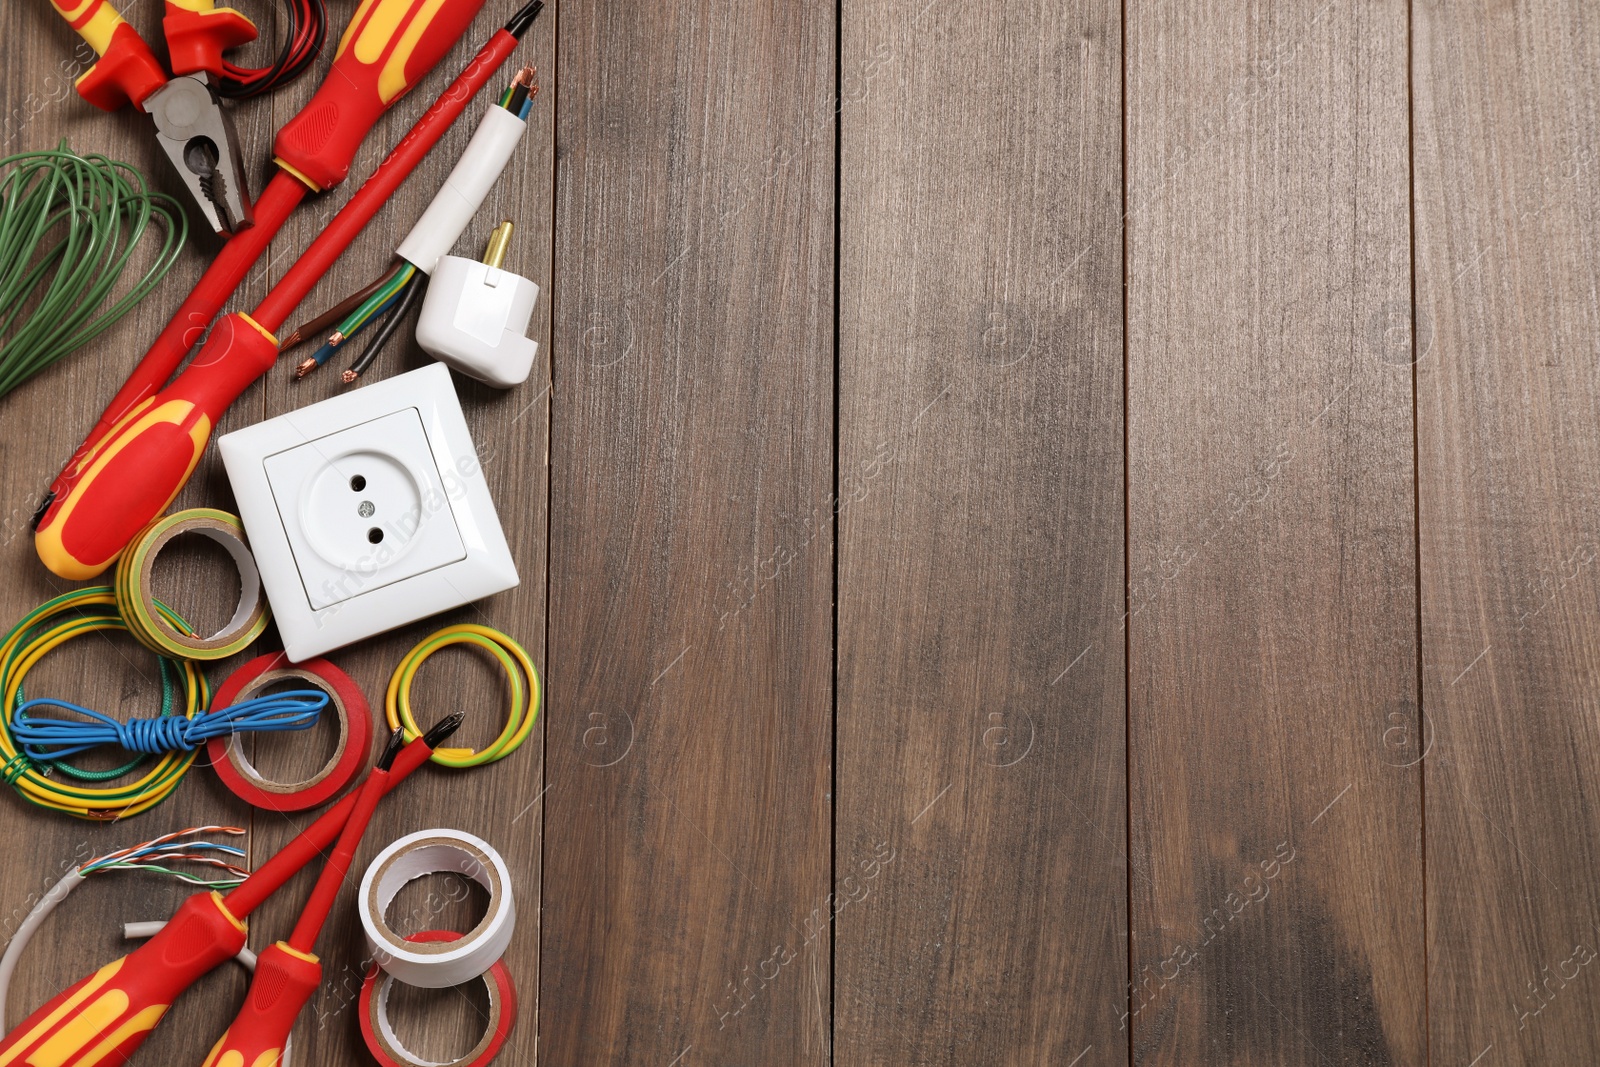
(128, 71)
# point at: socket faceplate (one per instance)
(361, 502)
(367, 511)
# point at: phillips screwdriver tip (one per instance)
(397, 741)
(443, 729)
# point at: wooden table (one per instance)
(1055, 535)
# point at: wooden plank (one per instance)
(44, 421)
(511, 432)
(1277, 878)
(689, 757)
(1506, 185)
(980, 878)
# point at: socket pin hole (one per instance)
(358, 483)
(374, 535)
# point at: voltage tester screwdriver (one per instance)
(388, 47)
(101, 1020)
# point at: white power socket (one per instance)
(367, 511)
(359, 493)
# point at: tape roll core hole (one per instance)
(453, 1025)
(441, 900)
(296, 759)
(198, 565)
(446, 878)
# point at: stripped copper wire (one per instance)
(328, 318)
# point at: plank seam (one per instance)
(549, 504)
(1127, 548)
(833, 695)
(1416, 518)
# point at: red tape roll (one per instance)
(380, 1036)
(355, 734)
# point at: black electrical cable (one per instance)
(519, 96)
(306, 32)
(386, 330)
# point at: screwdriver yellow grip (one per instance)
(284, 981)
(95, 20)
(101, 1020)
(387, 48)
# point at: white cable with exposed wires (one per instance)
(153, 855)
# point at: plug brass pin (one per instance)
(495, 254)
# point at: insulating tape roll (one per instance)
(379, 1033)
(435, 965)
(139, 607)
(350, 752)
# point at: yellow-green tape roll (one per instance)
(146, 618)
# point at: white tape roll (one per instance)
(437, 965)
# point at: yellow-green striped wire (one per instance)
(47, 627)
(520, 672)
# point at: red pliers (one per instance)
(191, 125)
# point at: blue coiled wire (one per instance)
(295, 709)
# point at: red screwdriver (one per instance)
(102, 1019)
(288, 972)
(388, 47)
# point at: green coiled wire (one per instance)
(68, 226)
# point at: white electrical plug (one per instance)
(474, 315)
(475, 318)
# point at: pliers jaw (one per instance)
(197, 134)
